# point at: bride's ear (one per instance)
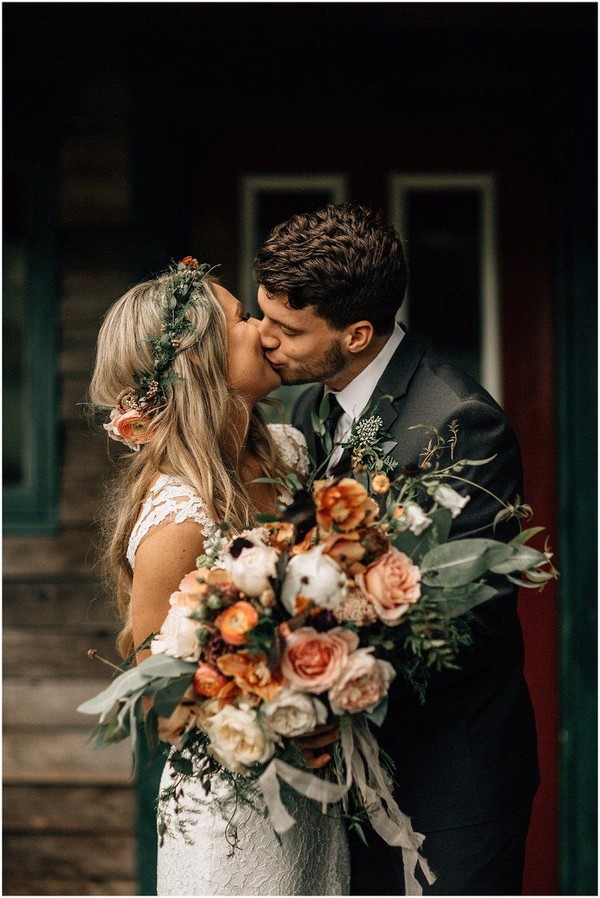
(357, 337)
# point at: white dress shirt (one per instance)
(355, 395)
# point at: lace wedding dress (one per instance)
(309, 859)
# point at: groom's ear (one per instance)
(357, 337)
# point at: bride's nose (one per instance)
(267, 336)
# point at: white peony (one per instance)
(293, 713)
(251, 570)
(363, 683)
(415, 519)
(177, 635)
(315, 576)
(449, 498)
(237, 740)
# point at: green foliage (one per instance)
(168, 696)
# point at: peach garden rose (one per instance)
(312, 660)
(393, 584)
(133, 427)
(363, 683)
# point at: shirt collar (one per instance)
(355, 395)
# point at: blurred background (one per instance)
(139, 133)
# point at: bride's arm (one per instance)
(162, 560)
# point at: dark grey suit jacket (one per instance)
(468, 754)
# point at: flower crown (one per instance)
(132, 420)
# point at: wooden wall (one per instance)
(68, 809)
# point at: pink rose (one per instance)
(133, 427)
(393, 584)
(362, 685)
(313, 661)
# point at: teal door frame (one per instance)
(577, 444)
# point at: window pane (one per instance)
(444, 250)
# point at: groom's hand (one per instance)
(321, 736)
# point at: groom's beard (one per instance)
(317, 370)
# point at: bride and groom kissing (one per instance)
(330, 284)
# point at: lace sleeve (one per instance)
(291, 445)
(169, 499)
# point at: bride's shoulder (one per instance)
(169, 499)
(291, 445)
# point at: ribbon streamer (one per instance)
(363, 769)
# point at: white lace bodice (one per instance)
(171, 499)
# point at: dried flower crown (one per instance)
(132, 420)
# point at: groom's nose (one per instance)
(268, 337)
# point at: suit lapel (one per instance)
(396, 378)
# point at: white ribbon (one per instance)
(361, 757)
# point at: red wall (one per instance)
(526, 235)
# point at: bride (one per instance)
(181, 367)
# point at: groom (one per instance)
(329, 285)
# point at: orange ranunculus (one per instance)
(236, 621)
(343, 505)
(208, 681)
(345, 548)
(251, 674)
(190, 262)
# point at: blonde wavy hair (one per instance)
(195, 438)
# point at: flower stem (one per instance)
(93, 653)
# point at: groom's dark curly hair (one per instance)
(344, 261)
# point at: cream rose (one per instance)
(237, 740)
(177, 635)
(253, 567)
(206, 712)
(313, 661)
(317, 577)
(392, 583)
(363, 683)
(293, 713)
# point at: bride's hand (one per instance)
(321, 736)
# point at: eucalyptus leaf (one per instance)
(134, 680)
(462, 561)
(523, 558)
(265, 518)
(474, 462)
(518, 582)
(416, 547)
(442, 523)
(378, 714)
(455, 602)
(167, 698)
(388, 446)
(526, 535)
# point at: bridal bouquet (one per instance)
(306, 619)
